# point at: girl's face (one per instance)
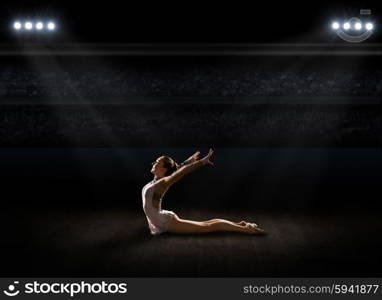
(157, 167)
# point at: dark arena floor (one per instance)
(117, 243)
(297, 141)
(78, 212)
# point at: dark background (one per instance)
(188, 21)
(85, 130)
(296, 139)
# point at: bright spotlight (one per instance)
(369, 26)
(28, 25)
(17, 25)
(358, 26)
(39, 25)
(335, 25)
(51, 26)
(346, 26)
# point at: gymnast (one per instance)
(166, 172)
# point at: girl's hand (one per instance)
(206, 159)
(194, 157)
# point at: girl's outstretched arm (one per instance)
(191, 159)
(178, 174)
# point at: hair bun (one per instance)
(170, 165)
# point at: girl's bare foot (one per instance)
(254, 229)
(261, 231)
(244, 223)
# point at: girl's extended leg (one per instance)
(178, 225)
(243, 223)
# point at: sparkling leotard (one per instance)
(157, 217)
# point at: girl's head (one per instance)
(164, 166)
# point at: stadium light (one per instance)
(17, 25)
(34, 25)
(28, 25)
(39, 25)
(51, 26)
(355, 29)
(369, 26)
(358, 26)
(335, 25)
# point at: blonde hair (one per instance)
(170, 164)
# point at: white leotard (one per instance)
(157, 218)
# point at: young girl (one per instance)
(166, 172)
